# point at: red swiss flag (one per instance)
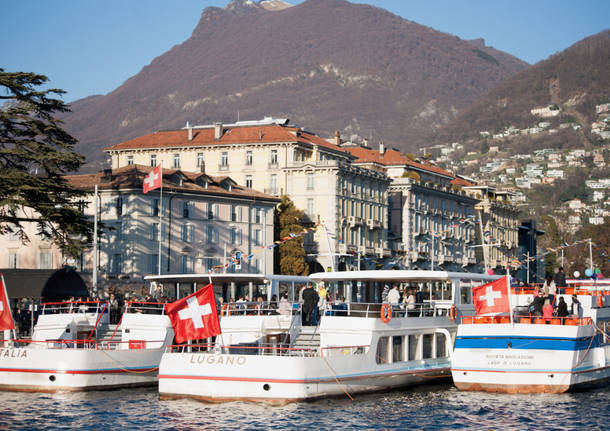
(153, 180)
(194, 317)
(491, 298)
(6, 319)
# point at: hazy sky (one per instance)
(92, 46)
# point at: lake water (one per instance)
(426, 407)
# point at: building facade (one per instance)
(497, 227)
(204, 222)
(347, 203)
(431, 218)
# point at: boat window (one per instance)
(441, 291)
(440, 345)
(285, 287)
(185, 289)
(413, 344)
(398, 351)
(382, 351)
(466, 291)
(427, 346)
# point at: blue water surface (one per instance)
(435, 407)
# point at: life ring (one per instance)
(600, 301)
(386, 313)
(453, 312)
(225, 308)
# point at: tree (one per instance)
(600, 235)
(34, 154)
(290, 255)
(551, 239)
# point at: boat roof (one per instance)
(401, 275)
(226, 278)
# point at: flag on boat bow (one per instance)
(194, 317)
(6, 318)
(492, 298)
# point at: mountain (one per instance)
(325, 64)
(571, 82)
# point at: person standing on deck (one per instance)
(549, 288)
(560, 280)
(310, 301)
(394, 296)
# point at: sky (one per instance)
(88, 47)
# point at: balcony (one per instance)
(373, 224)
(223, 167)
(354, 221)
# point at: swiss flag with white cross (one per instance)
(6, 319)
(194, 317)
(152, 180)
(491, 298)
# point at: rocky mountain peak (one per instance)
(246, 6)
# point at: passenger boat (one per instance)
(73, 348)
(360, 344)
(533, 354)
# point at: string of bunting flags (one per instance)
(237, 258)
(516, 262)
(550, 250)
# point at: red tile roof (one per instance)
(461, 182)
(392, 157)
(132, 177)
(231, 135)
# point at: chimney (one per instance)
(381, 149)
(190, 130)
(217, 131)
(106, 175)
(337, 138)
(365, 143)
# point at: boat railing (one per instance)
(138, 307)
(260, 350)
(257, 309)
(573, 290)
(84, 344)
(295, 324)
(527, 320)
(373, 310)
(68, 307)
(343, 350)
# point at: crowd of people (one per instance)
(547, 304)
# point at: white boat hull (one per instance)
(527, 358)
(55, 370)
(283, 379)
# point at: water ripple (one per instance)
(428, 407)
